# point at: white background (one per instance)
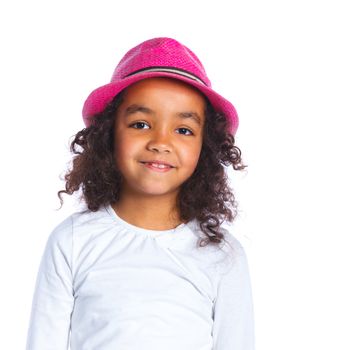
(274, 60)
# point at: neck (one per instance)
(152, 212)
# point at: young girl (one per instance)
(147, 265)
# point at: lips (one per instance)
(159, 164)
(157, 167)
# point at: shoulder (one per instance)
(60, 238)
(64, 230)
(232, 245)
(90, 218)
(229, 248)
(222, 257)
(83, 227)
(82, 218)
(235, 263)
(62, 235)
(230, 256)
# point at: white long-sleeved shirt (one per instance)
(105, 284)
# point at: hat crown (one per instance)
(160, 52)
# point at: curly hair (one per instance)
(205, 196)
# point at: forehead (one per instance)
(163, 88)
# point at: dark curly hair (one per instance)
(205, 196)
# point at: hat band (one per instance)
(168, 70)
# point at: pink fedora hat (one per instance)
(158, 57)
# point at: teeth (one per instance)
(161, 166)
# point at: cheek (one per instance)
(120, 147)
(125, 148)
(190, 155)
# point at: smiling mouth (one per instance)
(157, 167)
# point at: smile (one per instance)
(157, 167)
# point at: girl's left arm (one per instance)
(233, 317)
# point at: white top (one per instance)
(106, 284)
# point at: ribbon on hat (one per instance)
(168, 70)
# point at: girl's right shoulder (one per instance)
(79, 223)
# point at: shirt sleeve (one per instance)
(52, 305)
(233, 317)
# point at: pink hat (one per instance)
(158, 57)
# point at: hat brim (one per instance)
(100, 97)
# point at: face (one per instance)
(160, 119)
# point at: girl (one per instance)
(146, 265)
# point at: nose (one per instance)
(159, 142)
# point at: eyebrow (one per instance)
(183, 115)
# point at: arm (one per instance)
(52, 305)
(233, 327)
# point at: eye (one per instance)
(191, 133)
(138, 123)
(143, 123)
